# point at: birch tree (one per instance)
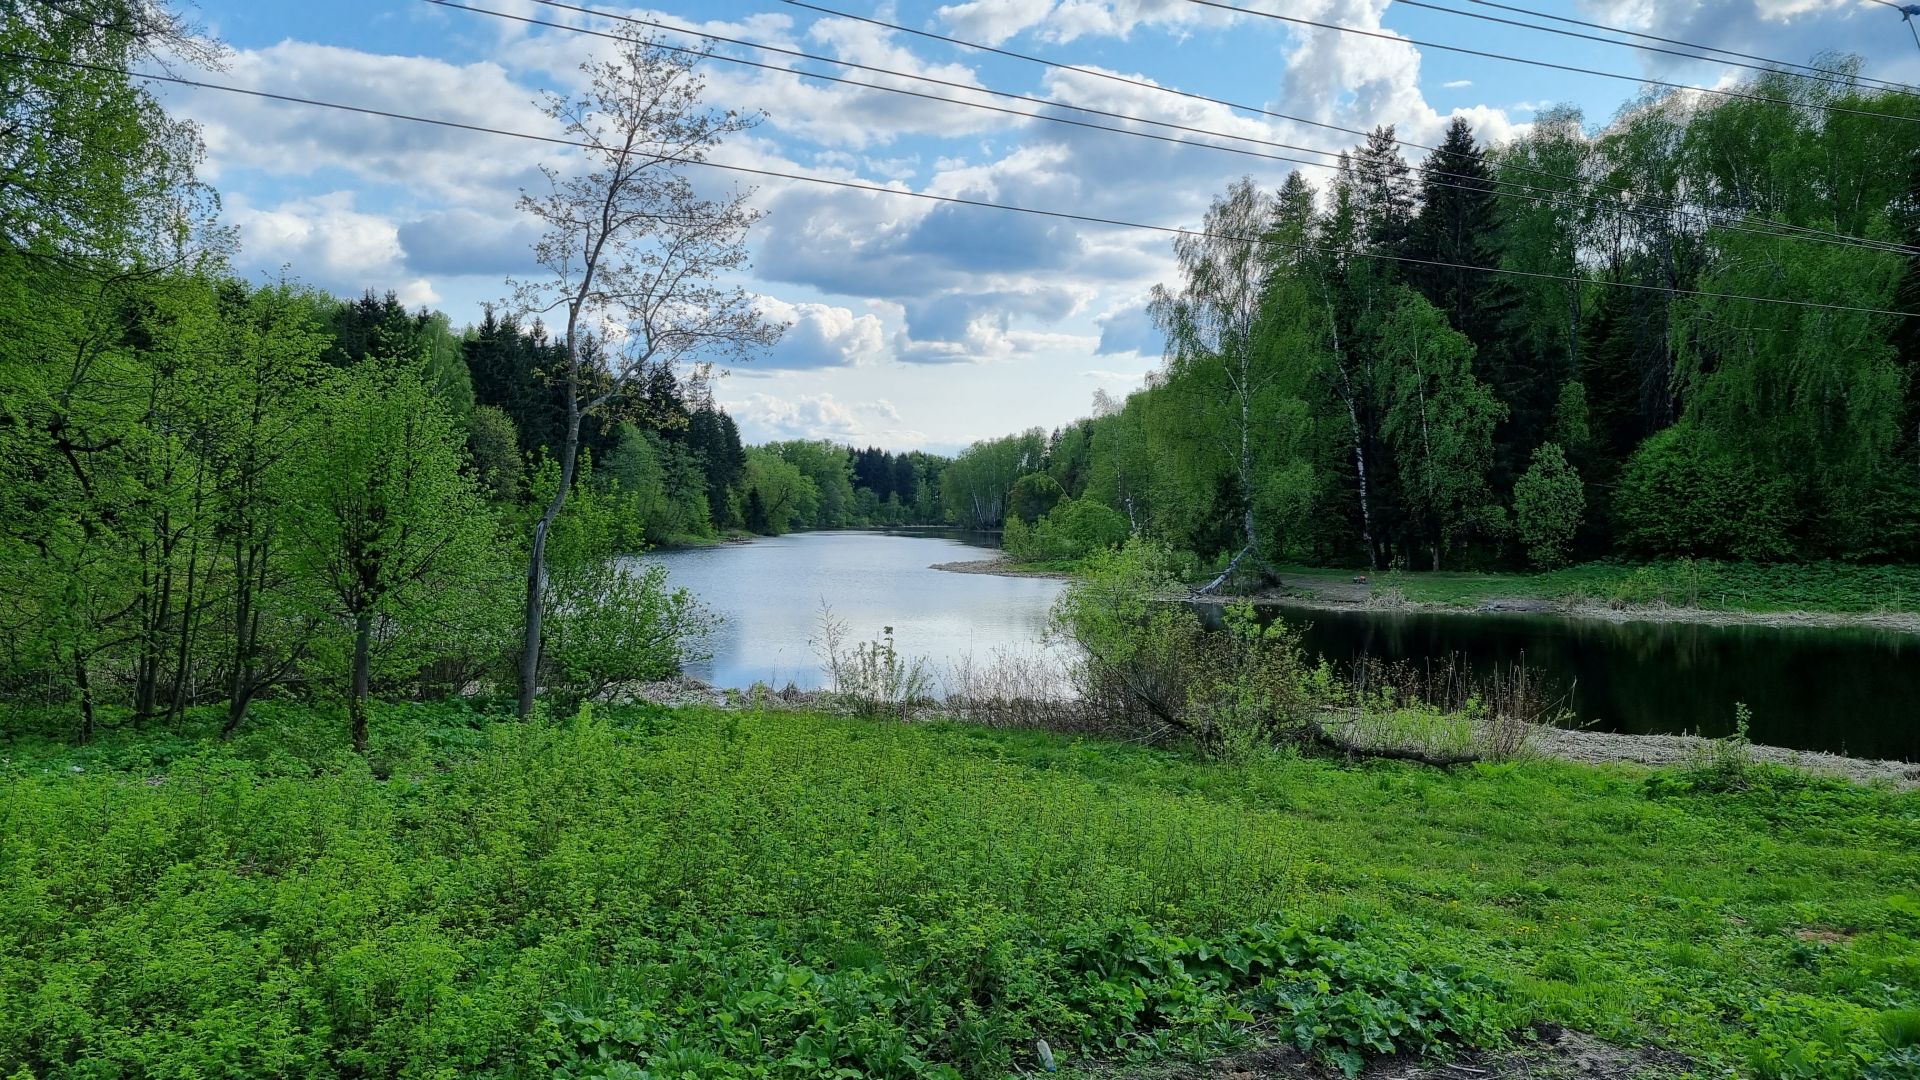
(1221, 336)
(634, 255)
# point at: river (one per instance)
(770, 591)
(1844, 691)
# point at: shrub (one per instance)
(1033, 497)
(611, 622)
(870, 678)
(1079, 527)
(1680, 496)
(1147, 662)
(1548, 501)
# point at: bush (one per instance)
(1074, 529)
(1079, 527)
(1680, 496)
(870, 678)
(1548, 501)
(1146, 661)
(1033, 497)
(610, 622)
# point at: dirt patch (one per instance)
(998, 568)
(1553, 1053)
(1668, 751)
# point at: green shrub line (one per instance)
(641, 892)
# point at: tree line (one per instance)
(213, 491)
(1352, 389)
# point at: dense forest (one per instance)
(1692, 351)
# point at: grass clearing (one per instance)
(1846, 588)
(692, 893)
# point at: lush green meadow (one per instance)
(642, 892)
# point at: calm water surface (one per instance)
(1850, 691)
(1845, 691)
(770, 591)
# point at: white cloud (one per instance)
(1456, 84)
(279, 138)
(766, 417)
(994, 21)
(820, 336)
(326, 241)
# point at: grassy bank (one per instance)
(1839, 588)
(703, 894)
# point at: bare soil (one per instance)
(1667, 751)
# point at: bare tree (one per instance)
(634, 255)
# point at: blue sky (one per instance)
(913, 325)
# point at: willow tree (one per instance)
(634, 253)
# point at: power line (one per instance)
(1538, 196)
(1886, 83)
(1653, 204)
(1838, 78)
(1906, 15)
(953, 200)
(1488, 55)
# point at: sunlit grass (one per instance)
(436, 905)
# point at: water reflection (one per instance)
(1847, 691)
(770, 592)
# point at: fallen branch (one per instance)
(1391, 753)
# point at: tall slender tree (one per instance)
(633, 251)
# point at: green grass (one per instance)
(1746, 587)
(692, 893)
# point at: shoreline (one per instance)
(998, 567)
(1572, 745)
(1308, 594)
(1892, 621)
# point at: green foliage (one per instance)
(1073, 530)
(974, 485)
(695, 893)
(1547, 504)
(1078, 528)
(1149, 666)
(1033, 496)
(787, 497)
(870, 678)
(494, 446)
(617, 621)
(1678, 496)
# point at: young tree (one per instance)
(1212, 321)
(383, 508)
(633, 249)
(1240, 337)
(1548, 501)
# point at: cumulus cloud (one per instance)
(326, 241)
(463, 241)
(277, 138)
(821, 336)
(1781, 29)
(994, 21)
(765, 417)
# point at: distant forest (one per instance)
(1692, 352)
